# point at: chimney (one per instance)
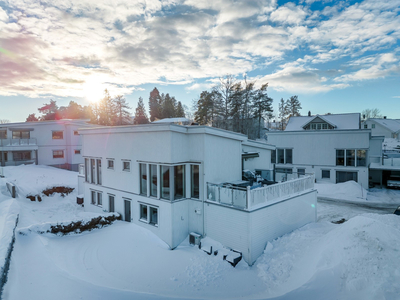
(363, 117)
(384, 117)
(309, 113)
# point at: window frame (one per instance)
(148, 218)
(128, 164)
(76, 132)
(55, 156)
(110, 160)
(54, 134)
(358, 160)
(77, 151)
(325, 177)
(96, 198)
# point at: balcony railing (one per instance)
(17, 142)
(391, 161)
(247, 198)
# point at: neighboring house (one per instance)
(333, 147)
(175, 180)
(53, 143)
(389, 128)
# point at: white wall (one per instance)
(379, 130)
(262, 162)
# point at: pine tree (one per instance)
(31, 118)
(207, 109)
(293, 106)
(140, 113)
(168, 106)
(122, 116)
(104, 111)
(155, 105)
(49, 111)
(180, 112)
(283, 112)
(224, 90)
(262, 106)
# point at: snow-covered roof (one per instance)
(173, 120)
(391, 124)
(339, 121)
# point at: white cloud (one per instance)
(289, 13)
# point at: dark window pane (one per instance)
(179, 182)
(143, 179)
(340, 157)
(361, 158)
(165, 187)
(93, 197)
(111, 206)
(273, 156)
(143, 212)
(99, 171)
(153, 182)
(92, 172)
(350, 157)
(195, 183)
(25, 134)
(281, 156)
(110, 164)
(301, 171)
(99, 199)
(326, 174)
(153, 216)
(289, 156)
(58, 135)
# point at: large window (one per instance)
(288, 156)
(281, 156)
(149, 214)
(351, 157)
(143, 179)
(97, 198)
(58, 135)
(58, 153)
(194, 180)
(326, 174)
(22, 155)
(153, 182)
(3, 134)
(165, 186)
(93, 172)
(179, 182)
(22, 134)
(285, 156)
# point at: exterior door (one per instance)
(111, 204)
(127, 210)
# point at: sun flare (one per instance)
(93, 90)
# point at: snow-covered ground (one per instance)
(357, 259)
(391, 144)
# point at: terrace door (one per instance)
(127, 204)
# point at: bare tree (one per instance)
(371, 113)
(4, 121)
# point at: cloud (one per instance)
(289, 13)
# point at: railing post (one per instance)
(248, 195)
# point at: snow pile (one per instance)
(33, 179)
(391, 144)
(350, 190)
(9, 210)
(355, 260)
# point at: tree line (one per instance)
(240, 106)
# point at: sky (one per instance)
(337, 56)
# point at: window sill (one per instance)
(145, 222)
(98, 205)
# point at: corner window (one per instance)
(143, 179)
(326, 174)
(165, 170)
(179, 182)
(195, 182)
(77, 151)
(126, 166)
(58, 135)
(58, 153)
(149, 214)
(153, 180)
(110, 164)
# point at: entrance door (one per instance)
(111, 204)
(127, 210)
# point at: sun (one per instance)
(93, 90)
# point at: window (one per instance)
(76, 132)
(98, 161)
(3, 134)
(194, 180)
(165, 171)
(365, 126)
(281, 156)
(288, 156)
(340, 157)
(284, 170)
(350, 158)
(111, 203)
(179, 182)
(87, 170)
(97, 198)
(5, 156)
(326, 174)
(22, 155)
(361, 158)
(372, 125)
(273, 156)
(149, 214)
(301, 172)
(143, 179)
(22, 134)
(153, 182)
(58, 135)
(92, 170)
(77, 151)
(126, 166)
(110, 164)
(58, 153)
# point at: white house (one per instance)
(53, 143)
(333, 147)
(174, 180)
(389, 128)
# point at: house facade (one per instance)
(389, 128)
(52, 143)
(174, 180)
(333, 147)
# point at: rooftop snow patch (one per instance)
(341, 121)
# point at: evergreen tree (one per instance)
(248, 95)
(293, 106)
(180, 112)
(104, 111)
(49, 111)
(283, 112)
(224, 90)
(31, 118)
(140, 113)
(206, 109)
(168, 106)
(262, 106)
(122, 116)
(155, 105)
